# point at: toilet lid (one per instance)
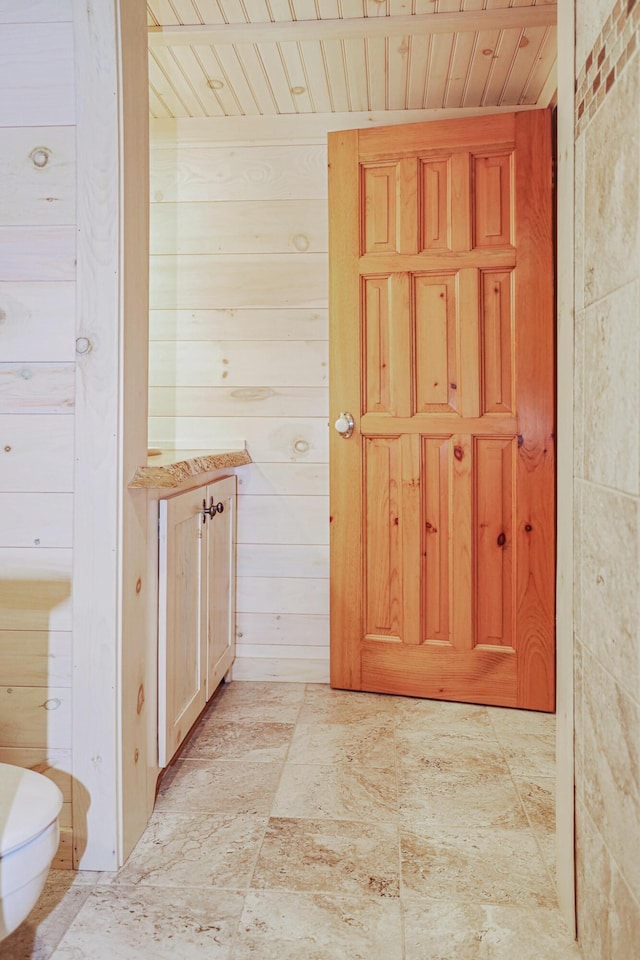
(29, 802)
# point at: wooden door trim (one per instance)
(345, 597)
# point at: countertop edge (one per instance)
(168, 476)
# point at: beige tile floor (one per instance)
(303, 823)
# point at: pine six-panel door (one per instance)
(442, 348)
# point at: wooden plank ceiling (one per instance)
(214, 58)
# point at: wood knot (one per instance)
(501, 539)
(528, 527)
(138, 585)
(140, 704)
(458, 453)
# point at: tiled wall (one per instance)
(607, 472)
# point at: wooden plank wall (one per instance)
(37, 353)
(239, 349)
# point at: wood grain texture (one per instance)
(33, 253)
(223, 363)
(35, 589)
(459, 383)
(242, 401)
(241, 226)
(37, 322)
(37, 387)
(35, 658)
(36, 11)
(32, 716)
(36, 453)
(283, 323)
(37, 57)
(38, 176)
(282, 560)
(36, 519)
(283, 629)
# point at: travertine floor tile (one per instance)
(339, 791)
(304, 926)
(538, 796)
(219, 786)
(451, 754)
(323, 705)
(438, 717)
(460, 801)
(499, 863)
(370, 742)
(439, 930)
(218, 739)
(527, 739)
(329, 856)
(201, 851)
(39, 935)
(148, 923)
(275, 702)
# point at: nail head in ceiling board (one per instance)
(500, 63)
(210, 11)
(163, 12)
(480, 67)
(512, 18)
(523, 64)
(459, 74)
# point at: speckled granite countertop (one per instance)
(171, 468)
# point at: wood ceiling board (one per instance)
(377, 62)
(163, 13)
(355, 62)
(438, 23)
(397, 68)
(212, 84)
(439, 67)
(336, 77)
(313, 55)
(157, 107)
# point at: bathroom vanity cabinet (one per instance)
(196, 608)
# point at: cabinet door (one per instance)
(221, 565)
(182, 621)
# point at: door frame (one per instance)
(95, 95)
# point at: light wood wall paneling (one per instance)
(56, 764)
(281, 671)
(35, 11)
(37, 322)
(35, 589)
(113, 798)
(37, 253)
(31, 716)
(267, 479)
(285, 323)
(288, 439)
(279, 595)
(36, 519)
(275, 651)
(36, 451)
(36, 387)
(36, 56)
(282, 559)
(238, 401)
(37, 176)
(297, 519)
(288, 629)
(238, 364)
(271, 172)
(195, 282)
(35, 658)
(269, 226)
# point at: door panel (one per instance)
(442, 504)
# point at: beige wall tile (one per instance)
(611, 582)
(608, 915)
(611, 777)
(590, 15)
(612, 186)
(612, 390)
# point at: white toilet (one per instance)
(30, 805)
